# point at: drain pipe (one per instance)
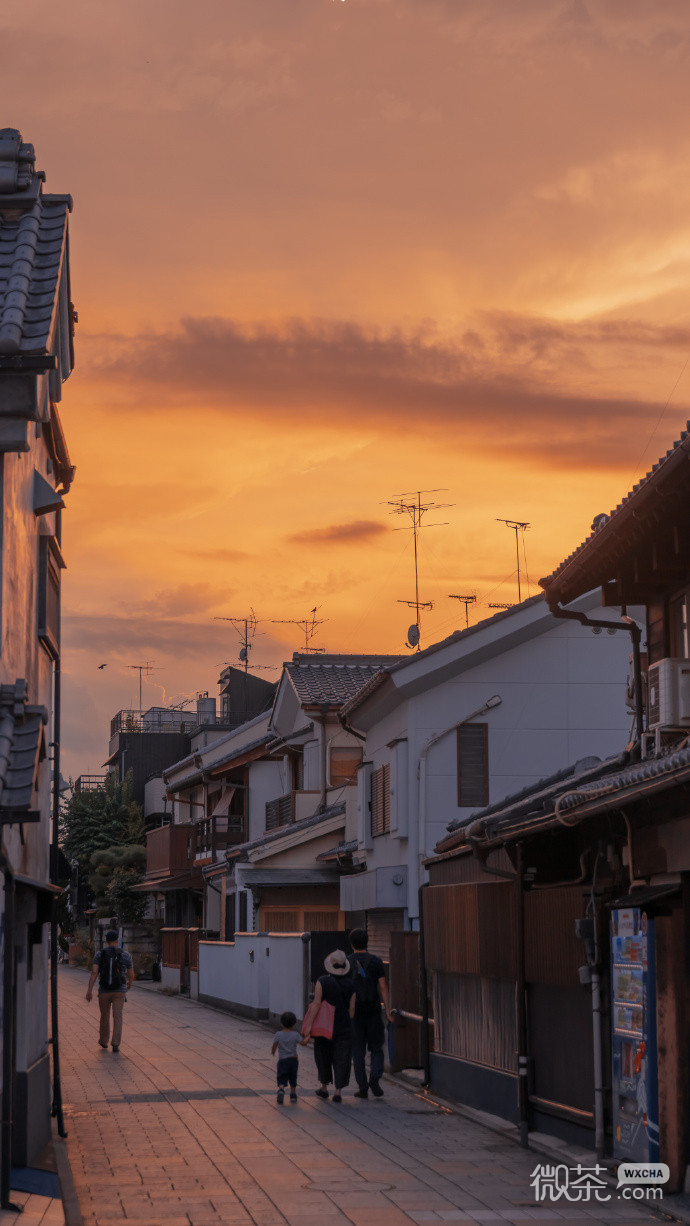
(54, 861)
(626, 623)
(521, 1002)
(424, 989)
(8, 1005)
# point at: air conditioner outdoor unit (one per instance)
(669, 694)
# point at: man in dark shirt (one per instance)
(371, 989)
(114, 969)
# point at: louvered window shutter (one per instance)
(473, 765)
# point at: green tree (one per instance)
(113, 873)
(99, 820)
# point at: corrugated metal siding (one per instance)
(553, 954)
(475, 1019)
(470, 929)
(380, 924)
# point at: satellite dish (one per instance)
(244, 655)
(413, 635)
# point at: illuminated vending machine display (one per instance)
(635, 1097)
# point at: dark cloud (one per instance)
(339, 534)
(505, 387)
(113, 637)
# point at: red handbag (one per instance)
(318, 1020)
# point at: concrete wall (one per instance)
(256, 975)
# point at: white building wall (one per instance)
(562, 699)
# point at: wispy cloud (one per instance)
(339, 534)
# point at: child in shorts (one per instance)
(286, 1042)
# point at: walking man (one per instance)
(371, 989)
(114, 969)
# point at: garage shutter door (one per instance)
(380, 924)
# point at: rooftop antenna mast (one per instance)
(467, 601)
(307, 624)
(246, 628)
(144, 670)
(518, 528)
(411, 504)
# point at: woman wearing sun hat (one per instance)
(334, 1056)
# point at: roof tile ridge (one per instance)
(19, 281)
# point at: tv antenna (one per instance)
(518, 527)
(411, 504)
(467, 601)
(498, 605)
(246, 629)
(308, 625)
(144, 670)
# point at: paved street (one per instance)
(183, 1127)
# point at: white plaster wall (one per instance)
(265, 783)
(563, 699)
(286, 974)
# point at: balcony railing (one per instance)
(219, 833)
(89, 783)
(153, 721)
(280, 812)
(170, 849)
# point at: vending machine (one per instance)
(633, 1015)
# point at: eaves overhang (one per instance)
(594, 562)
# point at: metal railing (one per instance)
(89, 783)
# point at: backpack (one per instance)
(366, 982)
(110, 970)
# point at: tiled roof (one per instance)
(332, 679)
(238, 852)
(33, 229)
(606, 525)
(21, 747)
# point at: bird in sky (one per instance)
(102, 665)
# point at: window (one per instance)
(242, 924)
(473, 765)
(345, 762)
(381, 800)
(49, 595)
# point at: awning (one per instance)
(645, 895)
(223, 807)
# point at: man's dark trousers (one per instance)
(367, 1032)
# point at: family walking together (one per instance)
(345, 1022)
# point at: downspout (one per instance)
(54, 861)
(324, 756)
(521, 1003)
(424, 989)
(626, 623)
(7, 1036)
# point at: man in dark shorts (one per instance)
(114, 969)
(371, 990)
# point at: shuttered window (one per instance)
(381, 800)
(473, 765)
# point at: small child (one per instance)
(286, 1042)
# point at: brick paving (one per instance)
(182, 1129)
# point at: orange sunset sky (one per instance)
(324, 251)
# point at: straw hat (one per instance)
(337, 963)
